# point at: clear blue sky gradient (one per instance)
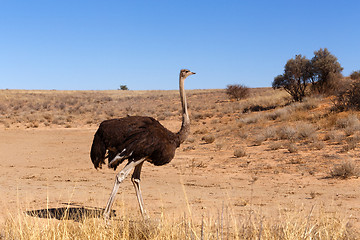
(98, 45)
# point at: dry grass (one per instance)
(300, 224)
(64, 109)
(318, 145)
(287, 132)
(305, 130)
(292, 147)
(275, 145)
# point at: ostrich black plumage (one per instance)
(137, 139)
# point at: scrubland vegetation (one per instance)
(308, 125)
(68, 109)
(267, 119)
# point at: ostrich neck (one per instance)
(185, 126)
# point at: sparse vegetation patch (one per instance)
(240, 152)
(345, 170)
(208, 138)
(237, 91)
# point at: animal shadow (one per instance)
(69, 213)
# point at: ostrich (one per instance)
(137, 139)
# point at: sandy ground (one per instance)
(47, 168)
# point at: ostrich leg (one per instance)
(118, 179)
(135, 178)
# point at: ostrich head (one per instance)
(184, 73)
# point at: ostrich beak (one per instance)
(193, 73)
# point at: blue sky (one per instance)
(99, 45)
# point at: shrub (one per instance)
(318, 145)
(237, 91)
(351, 130)
(355, 75)
(350, 121)
(239, 152)
(219, 146)
(243, 134)
(307, 104)
(345, 170)
(351, 144)
(292, 148)
(287, 132)
(123, 87)
(282, 113)
(348, 97)
(190, 140)
(275, 145)
(250, 119)
(305, 130)
(270, 133)
(208, 138)
(334, 136)
(259, 139)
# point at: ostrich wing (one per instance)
(136, 138)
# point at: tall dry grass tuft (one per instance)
(297, 224)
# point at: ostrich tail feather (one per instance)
(98, 151)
